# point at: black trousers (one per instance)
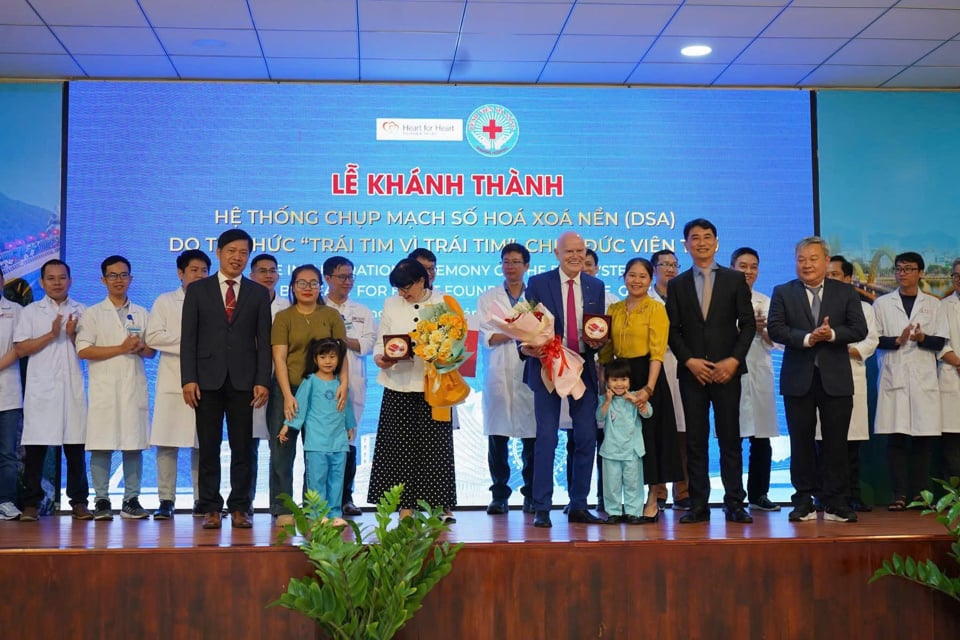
(77, 488)
(213, 406)
(909, 461)
(498, 461)
(349, 474)
(951, 454)
(758, 468)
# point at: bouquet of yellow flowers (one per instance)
(439, 339)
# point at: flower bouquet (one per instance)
(532, 324)
(439, 339)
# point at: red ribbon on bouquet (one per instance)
(552, 351)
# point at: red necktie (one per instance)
(573, 342)
(230, 302)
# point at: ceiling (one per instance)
(778, 43)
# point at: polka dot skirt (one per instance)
(414, 449)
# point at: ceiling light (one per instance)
(696, 50)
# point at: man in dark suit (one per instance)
(815, 319)
(225, 370)
(711, 328)
(554, 290)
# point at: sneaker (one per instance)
(683, 504)
(528, 505)
(802, 513)
(132, 510)
(165, 512)
(30, 514)
(9, 511)
(103, 510)
(81, 512)
(840, 514)
(763, 503)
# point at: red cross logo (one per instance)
(492, 129)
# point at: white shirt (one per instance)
(360, 325)
(400, 316)
(11, 396)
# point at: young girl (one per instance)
(328, 431)
(622, 446)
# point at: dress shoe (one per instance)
(80, 511)
(583, 517)
(211, 520)
(541, 519)
(497, 507)
(528, 505)
(240, 520)
(616, 519)
(632, 519)
(30, 514)
(738, 514)
(647, 519)
(696, 514)
(566, 509)
(858, 505)
(350, 509)
(165, 512)
(683, 504)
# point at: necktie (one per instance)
(573, 341)
(230, 302)
(707, 292)
(815, 303)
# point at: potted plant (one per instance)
(926, 572)
(368, 585)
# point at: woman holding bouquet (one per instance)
(639, 328)
(411, 447)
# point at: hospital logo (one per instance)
(492, 130)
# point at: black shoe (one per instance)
(842, 513)
(616, 519)
(857, 505)
(738, 514)
(763, 503)
(802, 513)
(632, 519)
(583, 516)
(541, 519)
(647, 519)
(165, 512)
(696, 514)
(566, 509)
(817, 505)
(661, 503)
(683, 504)
(528, 505)
(497, 507)
(197, 511)
(350, 509)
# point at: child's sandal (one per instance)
(900, 504)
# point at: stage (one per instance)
(771, 579)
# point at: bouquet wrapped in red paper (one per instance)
(531, 324)
(439, 339)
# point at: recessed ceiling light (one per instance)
(696, 50)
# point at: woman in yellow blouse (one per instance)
(638, 334)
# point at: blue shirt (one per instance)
(326, 428)
(622, 430)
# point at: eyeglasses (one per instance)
(669, 265)
(905, 269)
(408, 287)
(112, 277)
(512, 263)
(307, 284)
(344, 277)
(266, 272)
(956, 276)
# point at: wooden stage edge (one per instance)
(772, 579)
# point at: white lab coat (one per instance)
(507, 403)
(174, 421)
(758, 399)
(908, 398)
(260, 413)
(54, 402)
(11, 395)
(118, 416)
(949, 376)
(359, 323)
(670, 371)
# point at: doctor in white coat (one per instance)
(507, 403)
(174, 424)
(54, 403)
(110, 338)
(950, 379)
(912, 331)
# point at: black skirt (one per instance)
(661, 463)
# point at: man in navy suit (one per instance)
(711, 328)
(554, 289)
(225, 370)
(815, 318)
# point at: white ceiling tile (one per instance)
(313, 15)
(601, 48)
(414, 46)
(891, 52)
(741, 3)
(404, 70)
(505, 46)
(20, 65)
(930, 77)
(927, 4)
(18, 12)
(220, 68)
(763, 75)
(98, 66)
(514, 18)
(720, 21)
(821, 22)
(838, 75)
(28, 39)
(309, 44)
(121, 41)
(96, 13)
(586, 72)
(948, 55)
(923, 24)
(206, 14)
(884, 4)
(780, 51)
(410, 15)
(618, 20)
(497, 72)
(676, 74)
(209, 42)
(725, 50)
(313, 69)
